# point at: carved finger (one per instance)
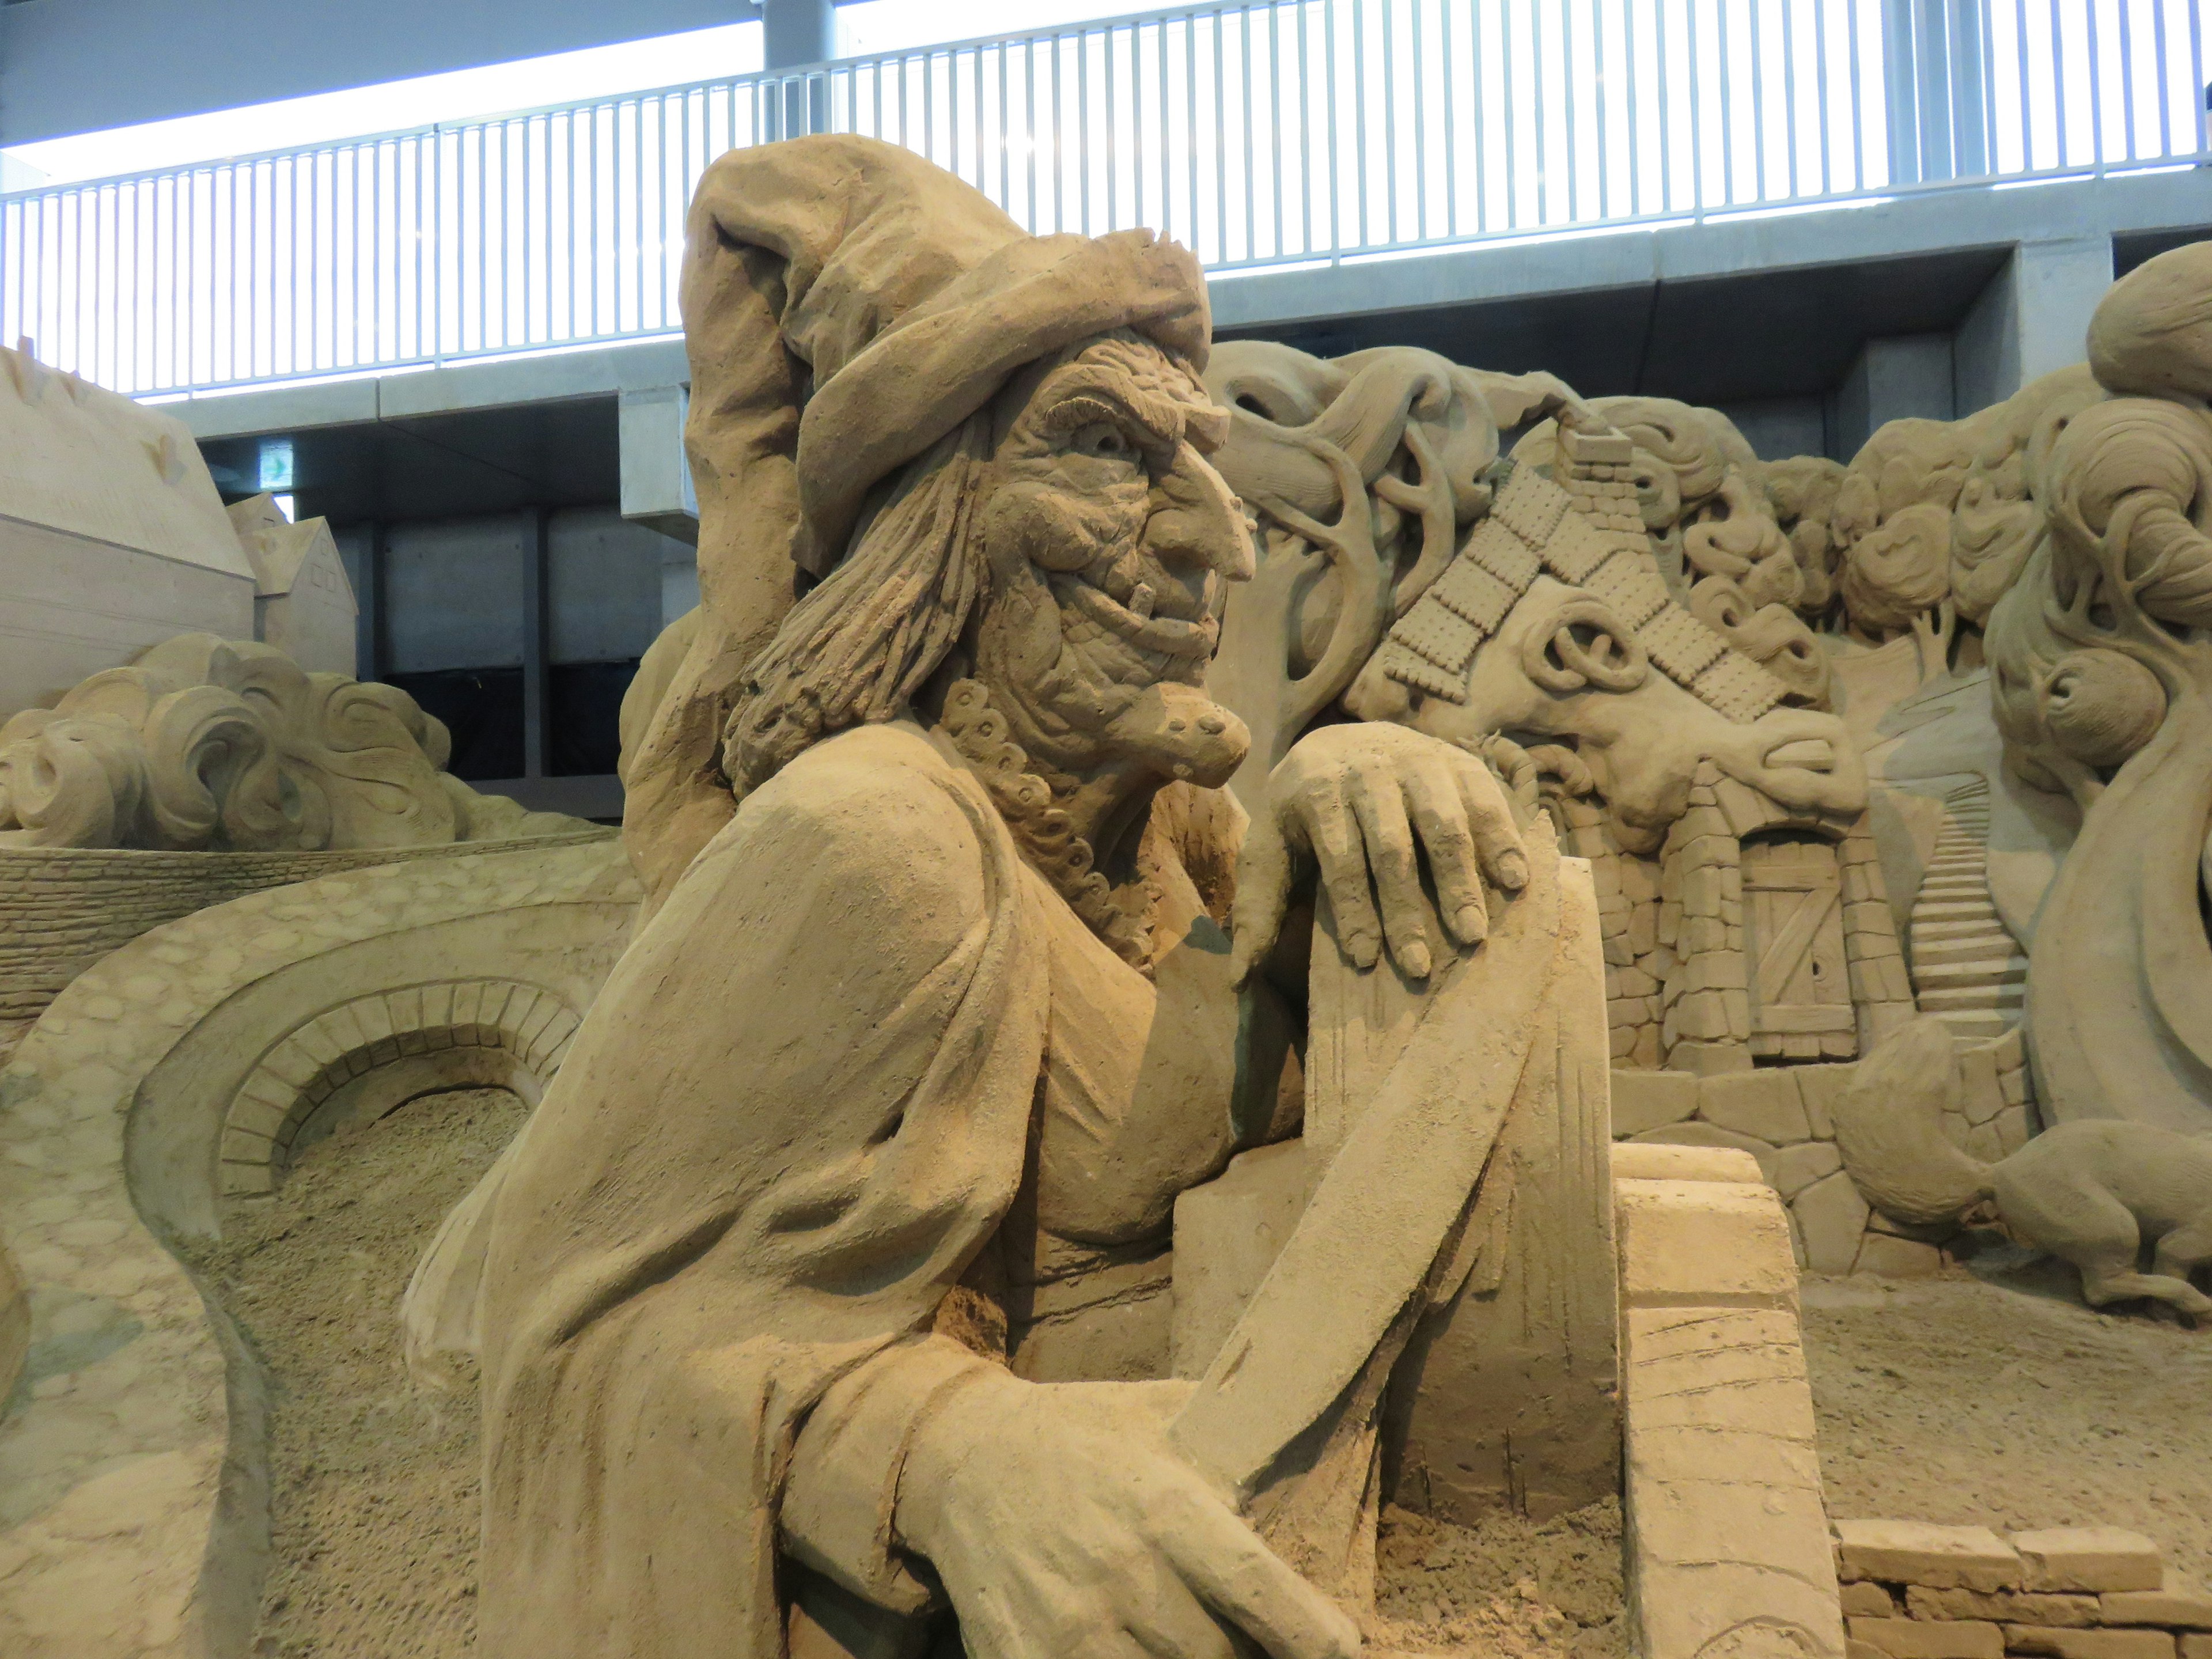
(1333, 831)
(1378, 800)
(1263, 893)
(1490, 820)
(1224, 1561)
(1440, 815)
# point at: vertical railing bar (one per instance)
(1790, 93)
(1389, 136)
(1137, 122)
(2165, 80)
(1167, 136)
(1820, 94)
(1336, 177)
(1721, 30)
(1758, 105)
(2096, 92)
(2198, 104)
(1244, 120)
(1083, 126)
(1566, 13)
(2058, 81)
(1448, 100)
(637, 213)
(1220, 146)
(1420, 123)
(1059, 151)
(1191, 131)
(376, 251)
(980, 164)
(1481, 125)
(253, 268)
(1113, 144)
(1858, 105)
(1697, 121)
(1507, 78)
(1362, 216)
(428, 249)
(1602, 95)
(1275, 120)
(1660, 82)
(2027, 128)
(591, 187)
(2127, 73)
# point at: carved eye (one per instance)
(1102, 440)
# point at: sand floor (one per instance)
(1992, 1397)
(2001, 1401)
(373, 1480)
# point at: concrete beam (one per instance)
(656, 473)
(1903, 377)
(2033, 317)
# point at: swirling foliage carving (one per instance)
(204, 744)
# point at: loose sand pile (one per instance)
(2004, 1402)
(1506, 1589)
(374, 1481)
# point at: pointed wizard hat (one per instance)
(845, 304)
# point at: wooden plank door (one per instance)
(1801, 989)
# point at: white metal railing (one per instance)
(1258, 132)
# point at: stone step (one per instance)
(1947, 927)
(1975, 1025)
(1979, 996)
(1994, 946)
(1953, 910)
(1941, 975)
(1953, 886)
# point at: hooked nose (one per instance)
(1197, 519)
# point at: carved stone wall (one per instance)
(63, 909)
(134, 1514)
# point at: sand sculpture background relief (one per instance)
(1218, 960)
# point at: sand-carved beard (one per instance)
(1110, 544)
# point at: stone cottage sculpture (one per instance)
(935, 1014)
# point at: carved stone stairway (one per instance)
(1966, 967)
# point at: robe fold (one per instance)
(799, 1109)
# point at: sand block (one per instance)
(1727, 1528)
(2197, 1647)
(1703, 1243)
(1912, 1638)
(2176, 1602)
(1651, 1160)
(2089, 1558)
(1868, 1600)
(2047, 1643)
(1652, 1100)
(1917, 1552)
(1861, 1651)
(2006, 1606)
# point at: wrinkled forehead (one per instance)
(1123, 377)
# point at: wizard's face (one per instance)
(1111, 540)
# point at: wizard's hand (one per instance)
(1354, 798)
(1063, 1526)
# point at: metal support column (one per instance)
(369, 647)
(535, 643)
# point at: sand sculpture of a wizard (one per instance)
(822, 1299)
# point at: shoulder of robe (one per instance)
(868, 803)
